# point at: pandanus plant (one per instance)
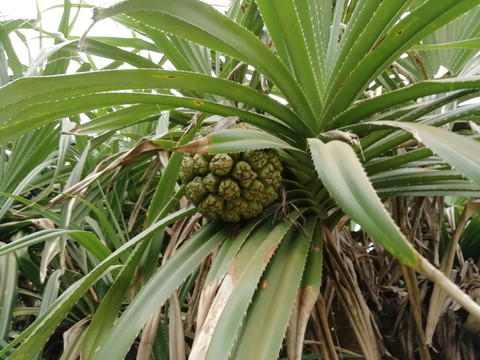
(347, 100)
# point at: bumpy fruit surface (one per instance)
(232, 187)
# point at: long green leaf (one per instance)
(459, 151)
(345, 179)
(284, 26)
(249, 265)
(409, 93)
(312, 276)
(462, 44)
(110, 306)
(420, 180)
(273, 301)
(8, 291)
(29, 103)
(98, 48)
(233, 140)
(36, 335)
(23, 92)
(308, 13)
(439, 188)
(334, 33)
(33, 239)
(199, 22)
(397, 40)
(13, 60)
(118, 119)
(42, 113)
(158, 290)
(411, 176)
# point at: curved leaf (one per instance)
(40, 114)
(459, 151)
(405, 33)
(37, 334)
(152, 296)
(35, 238)
(118, 119)
(109, 308)
(283, 17)
(274, 299)
(234, 140)
(18, 96)
(409, 93)
(345, 179)
(199, 22)
(244, 274)
(8, 292)
(460, 44)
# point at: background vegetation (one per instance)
(373, 107)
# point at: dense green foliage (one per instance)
(373, 109)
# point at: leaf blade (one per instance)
(345, 179)
(459, 151)
(157, 291)
(233, 140)
(245, 271)
(200, 23)
(33, 338)
(273, 302)
(398, 39)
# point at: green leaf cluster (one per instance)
(367, 102)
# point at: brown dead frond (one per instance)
(110, 164)
(349, 295)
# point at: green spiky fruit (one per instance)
(232, 187)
